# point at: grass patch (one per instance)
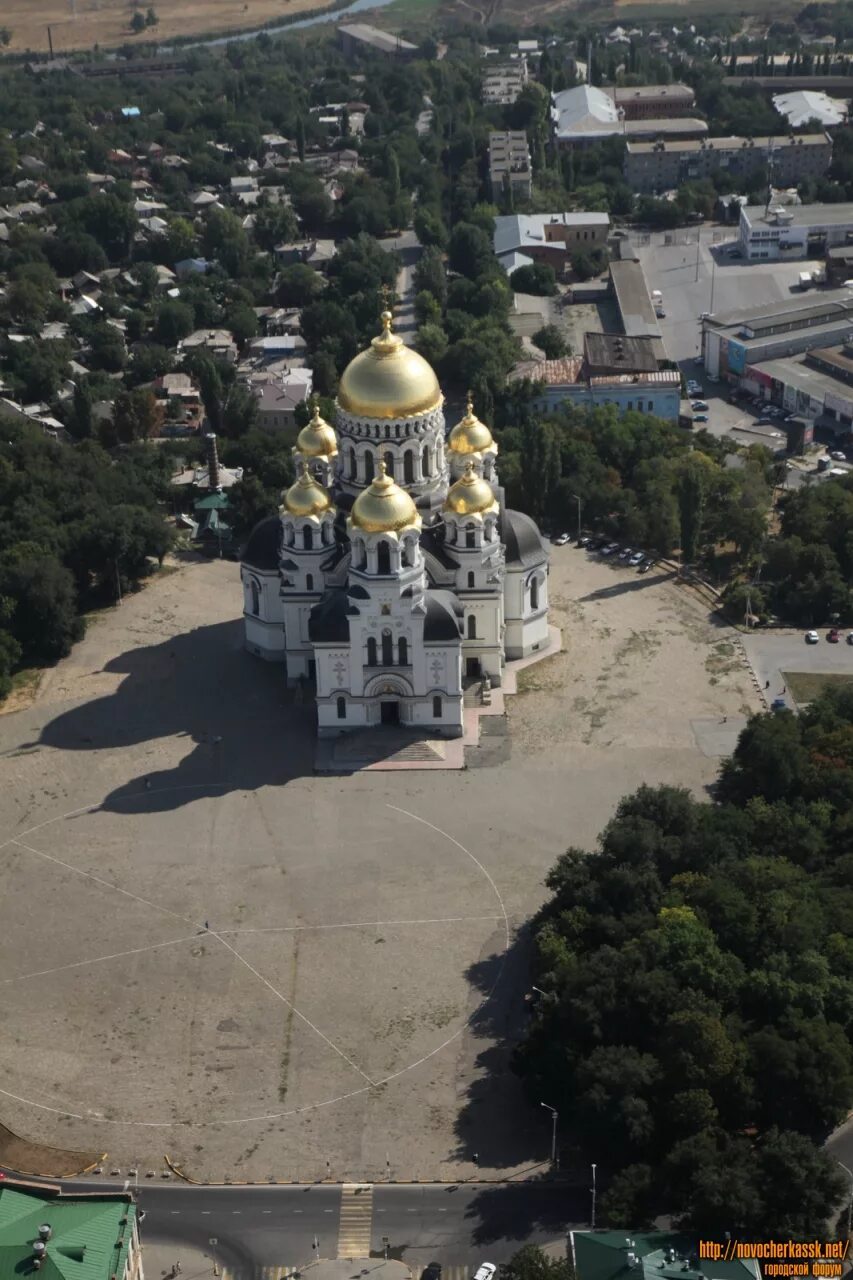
(808, 685)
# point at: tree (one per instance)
(225, 239)
(429, 227)
(136, 415)
(44, 621)
(80, 424)
(108, 219)
(691, 502)
(427, 309)
(151, 18)
(274, 224)
(5, 36)
(550, 340)
(243, 323)
(10, 656)
(470, 250)
(173, 321)
(240, 413)
(298, 285)
(106, 344)
(537, 279)
(300, 139)
(180, 240)
(431, 343)
(532, 1263)
(430, 276)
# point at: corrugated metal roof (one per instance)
(90, 1235)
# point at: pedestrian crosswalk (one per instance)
(356, 1220)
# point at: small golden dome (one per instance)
(471, 495)
(306, 497)
(384, 507)
(470, 435)
(388, 380)
(317, 439)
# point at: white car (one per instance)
(838, 456)
(812, 637)
(485, 1271)
(637, 558)
(562, 539)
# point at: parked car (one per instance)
(833, 636)
(561, 539)
(700, 417)
(850, 637)
(626, 553)
(713, 377)
(699, 361)
(812, 637)
(838, 456)
(583, 541)
(645, 566)
(485, 1271)
(636, 558)
(778, 704)
(701, 405)
(610, 549)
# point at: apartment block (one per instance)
(661, 165)
(509, 164)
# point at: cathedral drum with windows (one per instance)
(394, 572)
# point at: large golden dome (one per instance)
(317, 439)
(384, 507)
(471, 495)
(307, 497)
(388, 380)
(470, 435)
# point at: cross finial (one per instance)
(469, 469)
(469, 405)
(382, 468)
(315, 405)
(305, 473)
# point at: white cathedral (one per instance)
(393, 571)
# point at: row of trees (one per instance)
(698, 976)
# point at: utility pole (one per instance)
(554, 1118)
(592, 1189)
(213, 1242)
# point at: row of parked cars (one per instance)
(833, 636)
(636, 559)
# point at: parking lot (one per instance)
(775, 655)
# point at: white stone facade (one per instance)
(389, 617)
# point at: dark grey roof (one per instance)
(522, 539)
(443, 612)
(358, 592)
(435, 546)
(262, 549)
(327, 621)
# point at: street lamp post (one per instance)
(850, 1201)
(578, 501)
(554, 1118)
(592, 1211)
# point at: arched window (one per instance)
(383, 558)
(309, 582)
(534, 594)
(368, 468)
(256, 596)
(371, 652)
(342, 708)
(308, 538)
(436, 708)
(353, 465)
(403, 651)
(291, 536)
(427, 463)
(389, 463)
(408, 467)
(387, 430)
(469, 536)
(472, 627)
(362, 555)
(471, 579)
(387, 649)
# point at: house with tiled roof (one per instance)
(54, 1236)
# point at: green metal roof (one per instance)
(603, 1255)
(213, 502)
(90, 1235)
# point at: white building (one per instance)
(793, 231)
(805, 105)
(394, 572)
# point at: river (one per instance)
(358, 6)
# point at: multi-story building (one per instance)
(652, 101)
(503, 83)
(732, 341)
(586, 114)
(663, 164)
(92, 1236)
(551, 238)
(793, 231)
(509, 164)
(359, 37)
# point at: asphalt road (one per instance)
(259, 1227)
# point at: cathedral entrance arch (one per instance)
(388, 686)
(390, 711)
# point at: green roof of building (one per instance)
(655, 1255)
(90, 1235)
(213, 502)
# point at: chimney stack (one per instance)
(212, 461)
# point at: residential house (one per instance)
(279, 397)
(217, 342)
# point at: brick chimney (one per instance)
(212, 462)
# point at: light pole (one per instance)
(850, 1201)
(539, 991)
(213, 1242)
(554, 1118)
(578, 501)
(592, 1189)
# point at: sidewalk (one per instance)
(158, 1260)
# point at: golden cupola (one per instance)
(470, 435)
(470, 495)
(306, 497)
(317, 439)
(388, 380)
(383, 507)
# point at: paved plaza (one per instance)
(210, 952)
